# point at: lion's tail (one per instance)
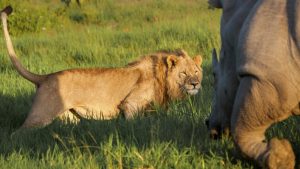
(34, 78)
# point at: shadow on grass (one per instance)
(182, 126)
(13, 110)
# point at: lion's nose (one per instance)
(194, 84)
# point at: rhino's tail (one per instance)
(34, 78)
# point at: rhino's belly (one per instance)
(285, 82)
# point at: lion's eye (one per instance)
(196, 72)
(182, 74)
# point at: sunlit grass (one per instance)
(113, 33)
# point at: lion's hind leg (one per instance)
(44, 109)
(256, 108)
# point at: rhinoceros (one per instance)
(257, 76)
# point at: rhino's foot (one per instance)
(279, 155)
(226, 132)
(214, 134)
(218, 132)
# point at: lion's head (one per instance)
(184, 74)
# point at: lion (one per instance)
(103, 93)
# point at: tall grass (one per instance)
(111, 33)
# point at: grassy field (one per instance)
(50, 36)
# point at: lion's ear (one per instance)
(171, 61)
(198, 60)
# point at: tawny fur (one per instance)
(257, 76)
(102, 93)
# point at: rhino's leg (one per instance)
(214, 126)
(217, 127)
(225, 125)
(257, 107)
(218, 122)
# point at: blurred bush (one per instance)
(46, 15)
(33, 15)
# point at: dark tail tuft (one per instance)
(8, 10)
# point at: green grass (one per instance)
(111, 33)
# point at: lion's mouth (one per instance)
(192, 91)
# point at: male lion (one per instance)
(101, 93)
(257, 76)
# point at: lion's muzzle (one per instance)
(193, 87)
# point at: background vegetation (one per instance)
(51, 35)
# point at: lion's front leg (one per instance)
(256, 108)
(137, 100)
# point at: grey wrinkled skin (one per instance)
(257, 76)
(225, 85)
